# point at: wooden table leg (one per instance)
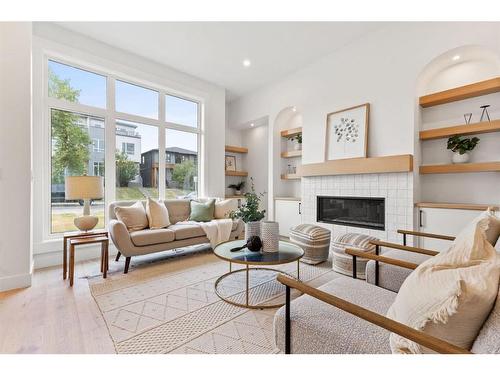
(65, 257)
(104, 259)
(71, 264)
(107, 255)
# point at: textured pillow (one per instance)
(491, 226)
(157, 214)
(202, 211)
(134, 217)
(450, 295)
(224, 208)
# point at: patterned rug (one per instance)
(170, 306)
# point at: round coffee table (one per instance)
(286, 253)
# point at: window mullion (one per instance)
(110, 141)
(161, 147)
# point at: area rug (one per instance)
(170, 306)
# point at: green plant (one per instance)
(462, 145)
(126, 169)
(240, 185)
(184, 173)
(249, 211)
(298, 138)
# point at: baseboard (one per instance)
(55, 258)
(15, 282)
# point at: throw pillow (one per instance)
(450, 295)
(202, 211)
(224, 208)
(134, 217)
(491, 226)
(157, 214)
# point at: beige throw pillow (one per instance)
(157, 214)
(224, 208)
(450, 295)
(134, 217)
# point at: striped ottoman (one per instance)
(342, 262)
(314, 240)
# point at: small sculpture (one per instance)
(468, 117)
(254, 243)
(485, 112)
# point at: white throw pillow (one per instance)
(450, 295)
(224, 208)
(134, 217)
(157, 214)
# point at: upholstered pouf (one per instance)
(342, 262)
(314, 240)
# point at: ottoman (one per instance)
(314, 240)
(342, 262)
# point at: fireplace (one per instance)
(352, 211)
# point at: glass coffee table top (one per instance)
(286, 253)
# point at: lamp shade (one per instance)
(84, 187)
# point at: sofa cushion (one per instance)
(147, 237)
(224, 207)
(186, 230)
(202, 211)
(488, 340)
(319, 328)
(134, 217)
(157, 214)
(178, 209)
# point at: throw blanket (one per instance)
(217, 231)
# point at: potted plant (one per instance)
(297, 146)
(237, 188)
(461, 148)
(249, 212)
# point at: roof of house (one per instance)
(175, 150)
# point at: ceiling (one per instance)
(214, 51)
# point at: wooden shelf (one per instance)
(237, 173)
(291, 132)
(457, 206)
(492, 166)
(460, 93)
(290, 176)
(476, 128)
(382, 164)
(235, 196)
(291, 154)
(236, 149)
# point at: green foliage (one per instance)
(71, 154)
(462, 145)
(184, 173)
(249, 211)
(126, 169)
(297, 138)
(240, 185)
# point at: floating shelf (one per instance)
(291, 154)
(489, 86)
(235, 196)
(290, 176)
(237, 173)
(492, 166)
(456, 206)
(236, 149)
(382, 164)
(291, 132)
(470, 129)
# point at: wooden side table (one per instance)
(84, 238)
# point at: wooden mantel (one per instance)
(381, 164)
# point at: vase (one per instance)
(270, 236)
(458, 159)
(237, 192)
(297, 146)
(252, 228)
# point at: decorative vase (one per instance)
(297, 146)
(458, 159)
(270, 236)
(252, 228)
(237, 192)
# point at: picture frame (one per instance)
(230, 163)
(347, 133)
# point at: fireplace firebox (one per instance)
(360, 212)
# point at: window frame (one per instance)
(110, 116)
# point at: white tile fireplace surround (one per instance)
(396, 188)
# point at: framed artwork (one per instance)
(230, 163)
(347, 133)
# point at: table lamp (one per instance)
(86, 188)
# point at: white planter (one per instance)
(252, 228)
(458, 159)
(297, 146)
(270, 236)
(237, 192)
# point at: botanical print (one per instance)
(347, 130)
(230, 163)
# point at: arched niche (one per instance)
(288, 118)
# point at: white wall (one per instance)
(15, 155)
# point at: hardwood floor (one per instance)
(52, 317)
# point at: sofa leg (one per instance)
(118, 256)
(127, 264)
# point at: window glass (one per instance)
(181, 111)
(136, 100)
(76, 85)
(181, 169)
(74, 153)
(136, 161)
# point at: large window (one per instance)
(80, 121)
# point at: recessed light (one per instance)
(456, 57)
(294, 109)
(247, 63)
(252, 124)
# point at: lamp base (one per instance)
(86, 222)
